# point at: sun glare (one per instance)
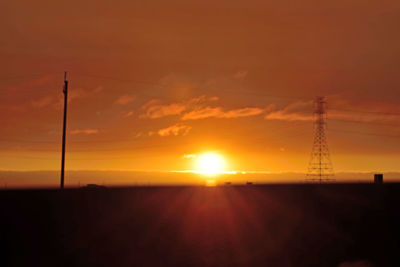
(210, 164)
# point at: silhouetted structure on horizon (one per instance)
(320, 166)
(65, 91)
(378, 178)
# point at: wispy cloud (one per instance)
(42, 102)
(125, 99)
(175, 130)
(195, 108)
(76, 93)
(189, 156)
(203, 113)
(338, 108)
(218, 112)
(154, 109)
(40, 81)
(241, 74)
(128, 114)
(242, 112)
(84, 131)
(299, 111)
(138, 135)
(203, 99)
(98, 89)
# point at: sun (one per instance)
(210, 163)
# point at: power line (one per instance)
(365, 122)
(71, 142)
(119, 140)
(72, 159)
(24, 77)
(117, 79)
(237, 91)
(369, 112)
(364, 133)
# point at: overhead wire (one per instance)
(365, 133)
(238, 91)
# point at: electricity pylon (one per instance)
(320, 167)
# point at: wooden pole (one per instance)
(65, 91)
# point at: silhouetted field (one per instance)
(272, 225)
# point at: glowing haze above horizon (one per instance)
(154, 85)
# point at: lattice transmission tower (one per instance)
(320, 167)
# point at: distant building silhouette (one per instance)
(378, 178)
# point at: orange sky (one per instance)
(153, 81)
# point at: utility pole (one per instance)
(65, 91)
(320, 166)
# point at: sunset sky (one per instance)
(153, 84)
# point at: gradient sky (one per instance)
(153, 82)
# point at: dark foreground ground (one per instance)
(274, 225)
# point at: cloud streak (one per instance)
(84, 131)
(195, 109)
(339, 109)
(42, 102)
(125, 99)
(154, 109)
(174, 130)
(218, 112)
(298, 111)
